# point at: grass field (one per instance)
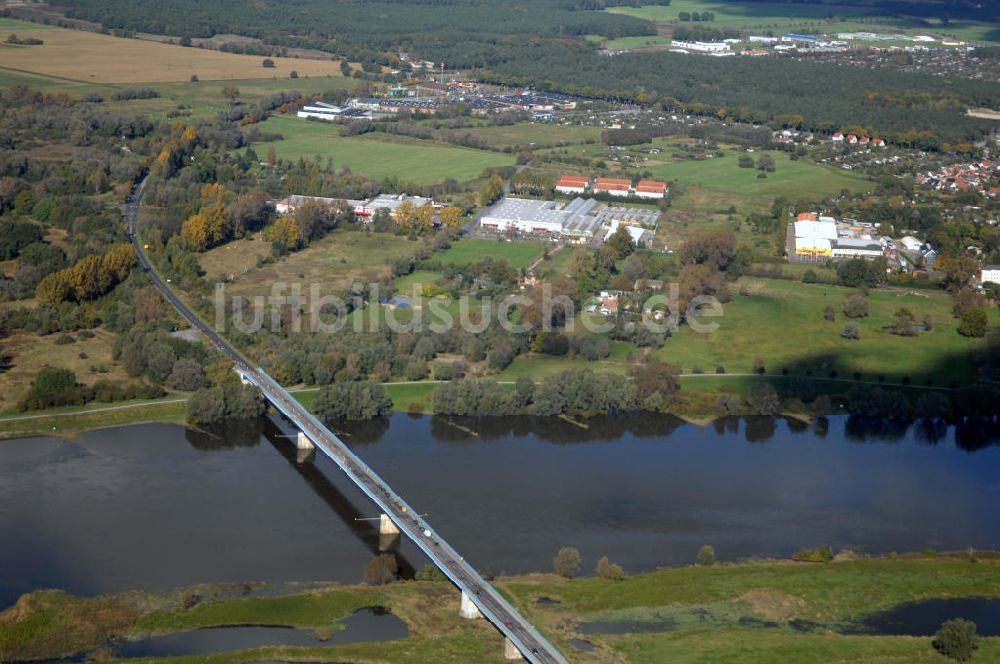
(91, 57)
(378, 155)
(517, 254)
(30, 353)
(333, 262)
(778, 310)
(527, 134)
(792, 179)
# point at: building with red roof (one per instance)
(613, 186)
(572, 184)
(651, 189)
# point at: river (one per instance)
(161, 506)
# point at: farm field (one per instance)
(518, 254)
(89, 57)
(779, 310)
(378, 155)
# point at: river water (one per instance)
(161, 506)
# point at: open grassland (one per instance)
(333, 262)
(526, 134)
(89, 359)
(792, 179)
(378, 155)
(517, 254)
(760, 323)
(66, 422)
(726, 613)
(91, 57)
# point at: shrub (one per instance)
(810, 277)
(381, 570)
(706, 555)
(851, 331)
(957, 639)
(823, 554)
(64, 339)
(829, 313)
(856, 306)
(720, 369)
(973, 323)
(567, 562)
(85, 334)
(763, 399)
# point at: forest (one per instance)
(910, 109)
(364, 30)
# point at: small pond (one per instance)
(925, 618)
(371, 624)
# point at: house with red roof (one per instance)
(613, 186)
(572, 184)
(654, 189)
(852, 139)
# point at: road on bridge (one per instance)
(532, 645)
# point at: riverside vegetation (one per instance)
(716, 612)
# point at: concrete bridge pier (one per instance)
(304, 448)
(388, 533)
(303, 443)
(468, 609)
(510, 651)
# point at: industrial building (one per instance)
(817, 238)
(292, 203)
(581, 220)
(366, 209)
(320, 110)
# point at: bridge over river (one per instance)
(478, 596)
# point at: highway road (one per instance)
(532, 645)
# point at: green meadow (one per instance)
(526, 134)
(792, 179)
(518, 254)
(378, 155)
(776, 311)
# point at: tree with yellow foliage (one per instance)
(425, 216)
(54, 288)
(194, 232)
(451, 217)
(405, 214)
(213, 192)
(118, 262)
(190, 135)
(87, 278)
(285, 232)
(217, 222)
